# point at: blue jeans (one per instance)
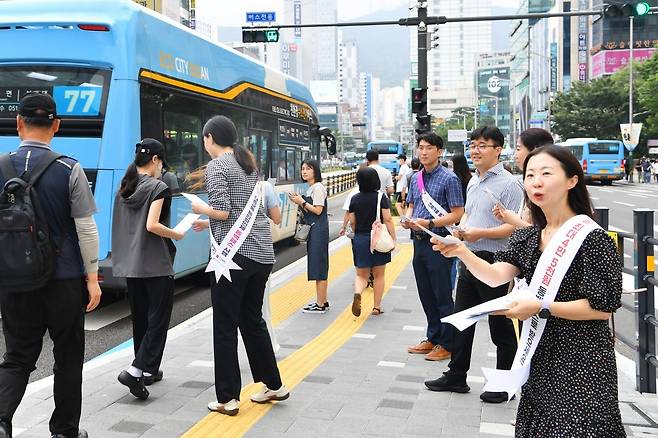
(432, 272)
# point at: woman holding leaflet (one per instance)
(230, 178)
(143, 253)
(572, 385)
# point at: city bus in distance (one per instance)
(602, 160)
(120, 72)
(388, 153)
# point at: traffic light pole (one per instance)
(630, 76)
(422, 46)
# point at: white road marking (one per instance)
(399, 287)
(364, 336)
(624, 203)
(501, 429)
(413, 328)
(385, 363)
(202, 364)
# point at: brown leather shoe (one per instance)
(438, 353)
(422, 348)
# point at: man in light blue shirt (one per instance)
(484, 234)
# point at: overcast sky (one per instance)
(232, 13)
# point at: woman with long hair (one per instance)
(460, 167)
(528, 141)
(314, 208)
(362, 214)
(230, 178)
(572, 384)
(143, 253)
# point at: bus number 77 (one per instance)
(74, 95)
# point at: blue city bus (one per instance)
(602, 160)
(120, 72)
(388, 153)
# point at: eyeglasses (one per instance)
(482, 146)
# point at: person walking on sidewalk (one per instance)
(431, 269)
(572, 385)
(385, 177)
(484, 234)
(67, 206)
(314, 208)
(362, 207)
(230, 177)
(401, 183)
(143, 254)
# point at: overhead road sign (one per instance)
(261, 17)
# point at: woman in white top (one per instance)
(314, 207)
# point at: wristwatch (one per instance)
(544, 312)
(431, 224)
(304, 204)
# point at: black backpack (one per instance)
(27, 251)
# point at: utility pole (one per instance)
(422, 47)
(630, 77)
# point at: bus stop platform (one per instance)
(347, 376)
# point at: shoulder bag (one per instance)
(380, 239)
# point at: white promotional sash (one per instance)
(551, 269)
(221, 256)
(431, 205)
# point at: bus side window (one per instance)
(184, 144)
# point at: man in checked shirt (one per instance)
(431, 269)
(484, 234)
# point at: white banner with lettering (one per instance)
(221, 255)
(431, 205)
(551, 269)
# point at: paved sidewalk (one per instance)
(349, 377)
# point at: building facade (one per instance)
(492, 88)
(177, 10)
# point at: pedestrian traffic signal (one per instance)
(630, 9)
(423, 123)
(419, 100)
(260, 36)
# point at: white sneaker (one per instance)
(268, 395)
(229, 408)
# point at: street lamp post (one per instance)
(630, 76)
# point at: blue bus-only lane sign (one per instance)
(261, 17)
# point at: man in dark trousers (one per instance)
(484, 234)
(59, 307)
(431, 269)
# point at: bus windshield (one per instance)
(78, 92)
(603, 148)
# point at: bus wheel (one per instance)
(606, 182)
(291, 241)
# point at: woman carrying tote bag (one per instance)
(361, 210)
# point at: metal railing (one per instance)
(340, 182)
(645, 280)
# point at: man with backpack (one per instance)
(48, 248)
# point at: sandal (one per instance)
(356, 305)
(377, 311)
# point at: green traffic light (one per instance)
(642, 8)
(272, 36)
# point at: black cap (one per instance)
(38, 105)
(402, 156)
(152, 147)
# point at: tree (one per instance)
(592, 109)
(647, 94)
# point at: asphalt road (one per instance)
(112, 318)
(114, 327)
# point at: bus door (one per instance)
(259, 145)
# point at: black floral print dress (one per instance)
(572, 388)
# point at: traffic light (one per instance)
(423, 123)
(260, 36)
(635, 9)
(419, 100)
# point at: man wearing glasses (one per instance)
(484, 234)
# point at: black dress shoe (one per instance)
(5, 429)
(150, 380)
(445, 383)
(494, 397)
(136, 385)
(81, 434)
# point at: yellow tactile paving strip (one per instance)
(301, 363)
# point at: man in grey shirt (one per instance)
(484, 234)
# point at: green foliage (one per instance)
(596, 109)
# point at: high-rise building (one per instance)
(317, 48)
(451, 65)
(611, 38)
(492, 89)
(177, 10)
